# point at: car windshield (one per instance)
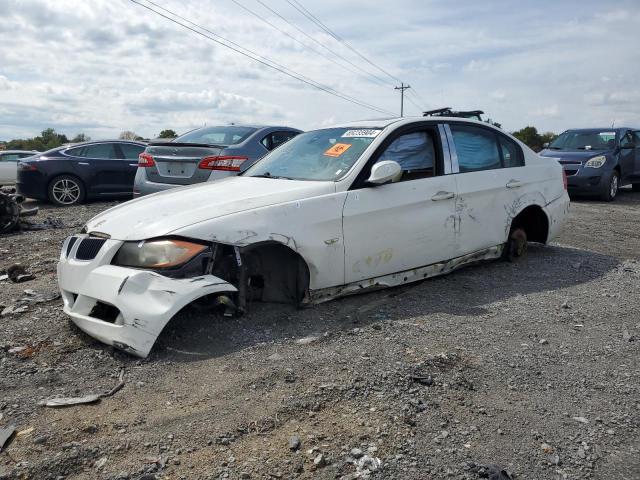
(323, 155)
(585, 140)
(226, 135)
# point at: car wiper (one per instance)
(268, 175)
(554, 148)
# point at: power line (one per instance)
(254, 56)
(318, 52)
(333, 52)
(298, 6)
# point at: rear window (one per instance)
(228, 135)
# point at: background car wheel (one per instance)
(516, 245)
(636, 187)
(611, 189)
(66, 190)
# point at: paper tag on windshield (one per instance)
(607, 134)
(361, 133)
(337, 150)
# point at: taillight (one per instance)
(564, 180)
(145, 160)
(226, 163)
(26, 167)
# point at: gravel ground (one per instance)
(530, 366)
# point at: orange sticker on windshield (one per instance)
(337, 150)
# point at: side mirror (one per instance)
(384, 172)
(545, 145)
(627, 146)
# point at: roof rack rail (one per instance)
(447, 112)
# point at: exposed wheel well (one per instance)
(275, 273)
(534, 222)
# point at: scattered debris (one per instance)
(627, 337)
(34, 297)
(307, 340)
(319, 461)
(366, 465)
(581, 419)
(6, 435)
(11, 210)
(294, 442)
(494, 472)
(422, 379)
(87, 399)
(18, 274)
(25, 432)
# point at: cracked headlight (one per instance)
(596, 162)
(161, 253)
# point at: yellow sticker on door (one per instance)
(337, 149)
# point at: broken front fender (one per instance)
(125, 307)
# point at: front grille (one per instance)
(89, 248)
(570, 172)
(72, 242)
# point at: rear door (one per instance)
(100, 166)
(486, 190)
(128, 165)
(406, 224)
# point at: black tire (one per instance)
(66, 190)
(636, 187)
(516, 246)
(610, 191)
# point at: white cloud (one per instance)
(109, 65)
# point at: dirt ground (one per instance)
(532, 366)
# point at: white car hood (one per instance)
(165, 212)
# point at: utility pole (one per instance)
(402, 88)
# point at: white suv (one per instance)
(332, 212)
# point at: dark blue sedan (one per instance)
(69, 175)
(598, 161)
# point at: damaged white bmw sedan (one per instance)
(332, 212)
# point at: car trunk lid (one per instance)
(177, 163)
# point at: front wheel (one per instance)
(66, 190)
(610, 190)
(516, 246)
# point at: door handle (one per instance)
(443, 196)
(514, 184)
(133, 164)
(83, 163)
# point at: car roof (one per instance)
(385, 122)
(93, 142)
(609, 129)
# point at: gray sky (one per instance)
(103, 66)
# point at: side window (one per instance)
(266, 142)
(131, 151)
(512, 155)
(75, 152)
(9, 157)
(416, 154)
(100, 151)
(627, 139)
(25, 155)
(477, 148)
(278, 138)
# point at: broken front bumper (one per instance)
(123, 307)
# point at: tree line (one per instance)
(49, 139)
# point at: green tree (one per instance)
(47, 140)
(168, 133)
(530, 136)
(129, 135)
(79, 138)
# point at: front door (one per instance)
(405, 224)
